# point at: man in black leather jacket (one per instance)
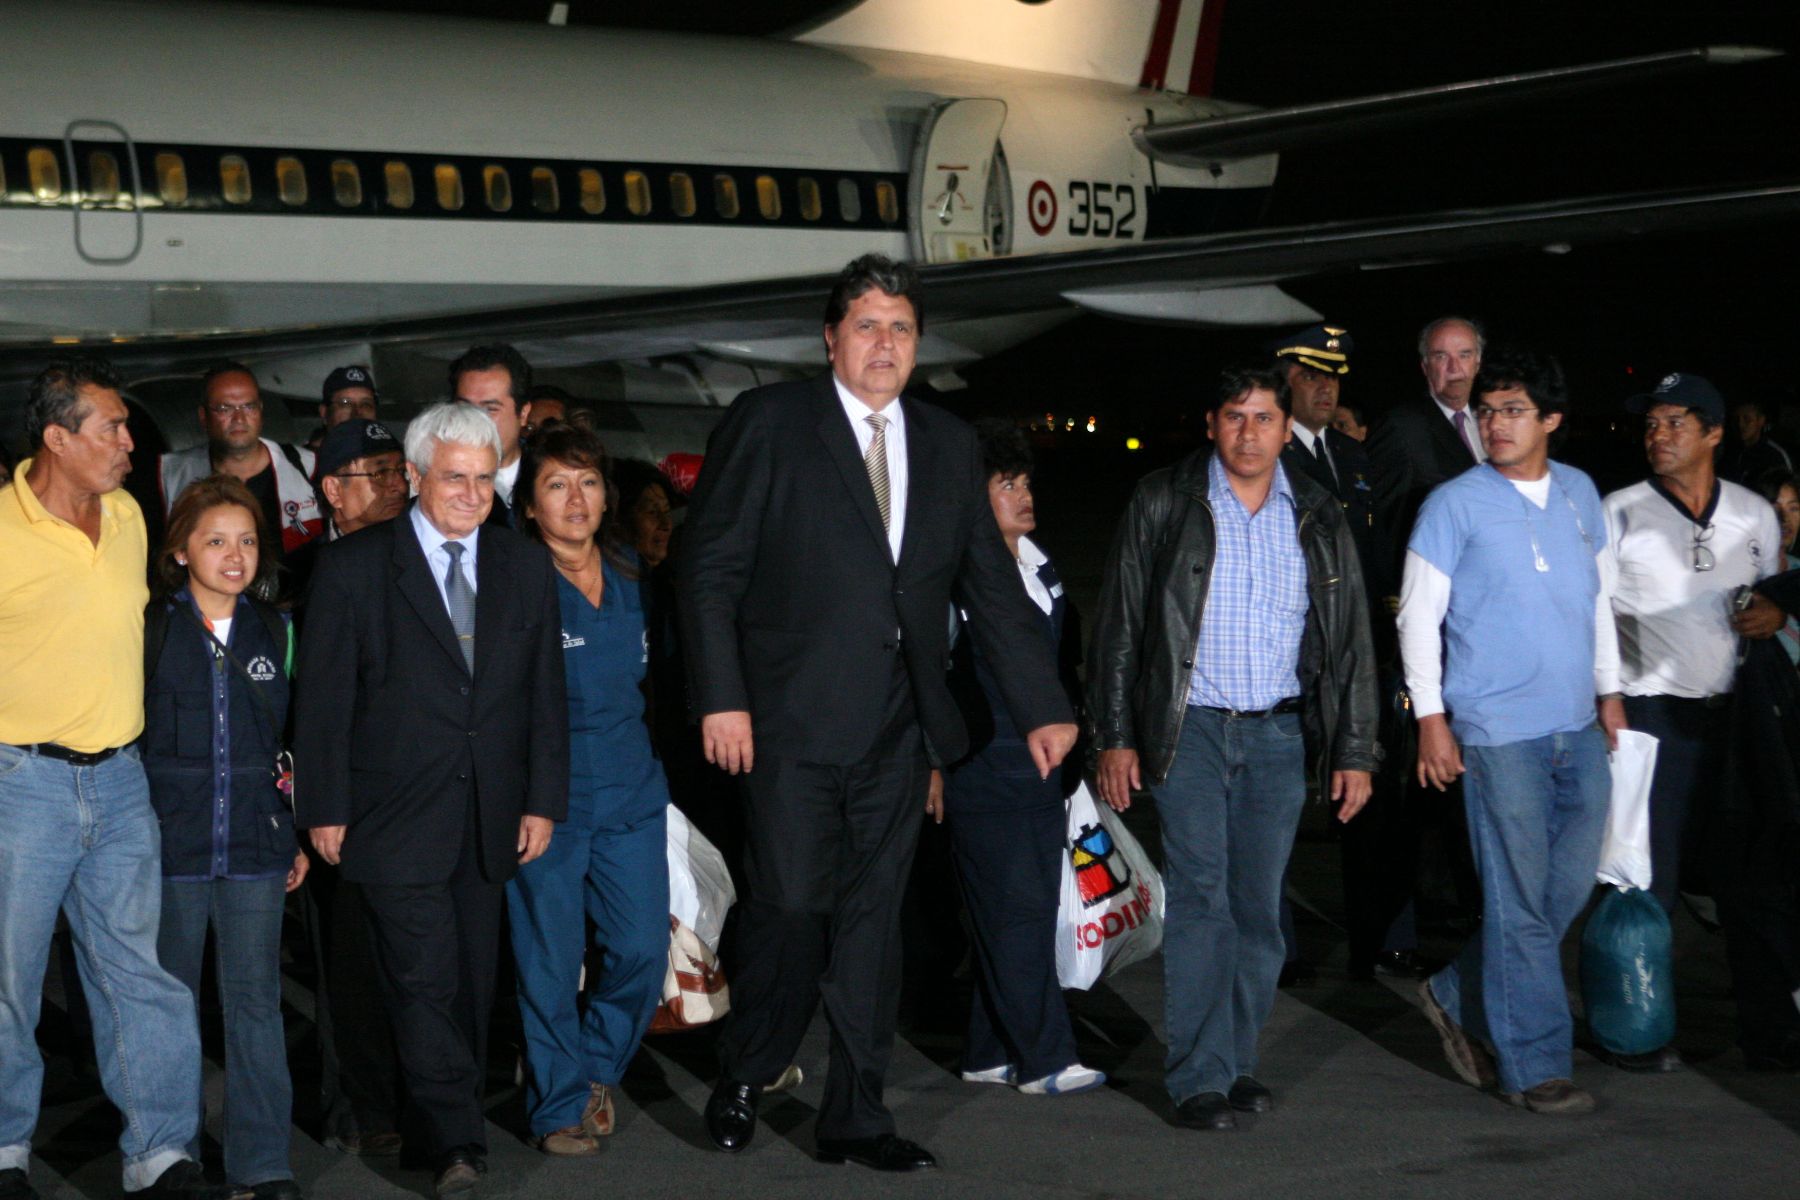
(1220, 716)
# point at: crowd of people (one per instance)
(436, 691)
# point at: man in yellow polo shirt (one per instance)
(76, 828)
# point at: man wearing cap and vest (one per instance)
(349, 395)
(279, 476)
(1686, 542)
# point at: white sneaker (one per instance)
(1003, 1073)
(1071, 1079)
(787, 1081)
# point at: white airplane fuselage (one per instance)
(205, 84)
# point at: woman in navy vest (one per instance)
(1007, 825)
(608, 863)
(215, 701)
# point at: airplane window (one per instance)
(593, 191)
(544, 194)
(46, 175)
(234, 179)
(498, 185)
(811, 207)
(346, 183)
(637, 193)
(725, 197)
(103, 177)
(290, 180)
(399, 184)
(849, 200)
(171, 179)
(887, 202)
(449, 187)
(681, 193)
(768, 198)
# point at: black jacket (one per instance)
(395, 739)
(790, 597)
(1141, 660)
(1354, 487)
(1413, 449)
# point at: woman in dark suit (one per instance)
(1007, 825)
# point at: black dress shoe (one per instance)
(731, 1114)
(1247, 1095)
(1652, 1062)
(1208, 1110)
(277, 1189)
(1405, 964)
(15, 1184)
(884, 1153)
(185, 1180)
(459, 1170)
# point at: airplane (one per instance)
(651, 215)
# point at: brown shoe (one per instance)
(367, 1145)
(1471, 1062)
(1554, 1097)
(597, 1117)
(573, 1141)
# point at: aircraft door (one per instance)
(108, 192)
(960, 201)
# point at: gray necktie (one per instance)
(875, 461)
(462, 603)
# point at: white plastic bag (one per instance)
(1625, 855)
(700, 891)
(1111, 914)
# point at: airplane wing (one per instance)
(1226, 278)
(1237, 135)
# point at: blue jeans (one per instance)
(1229, 809)
(245, 916)
(616, 876)
(84, 839)
(1537, 814)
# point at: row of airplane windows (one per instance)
(292, 185)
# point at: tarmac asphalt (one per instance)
(1365, 1106)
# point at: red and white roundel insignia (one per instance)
(1040, 207)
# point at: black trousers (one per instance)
(1381, 865)
(1009, 862)
(436, 945)
(828, 850)
(360, 1082)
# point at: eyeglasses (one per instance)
(384, 476)
(226, 410)
(1703, 557)
(1510, 412)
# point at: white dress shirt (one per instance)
(438, 559)
(506, 478)
(1315, 445)
(856, 412)
(1030, 559)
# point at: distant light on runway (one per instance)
(1133, 444)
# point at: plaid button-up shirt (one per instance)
(1248, 657)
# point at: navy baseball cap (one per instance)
(1683, 391)
(347, 377)
(350, 440)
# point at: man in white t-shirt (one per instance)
(1686, 543)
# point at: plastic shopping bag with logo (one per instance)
(700, 890)
(1111, 913)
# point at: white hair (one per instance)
(453, 423)
(1430, 331)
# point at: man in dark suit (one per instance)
(1422, 442)
(432, 748)
(1427, 439)
(831, 522)
(497, 380)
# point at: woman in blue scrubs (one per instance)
(608, 863)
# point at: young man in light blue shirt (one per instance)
(1507, 636)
